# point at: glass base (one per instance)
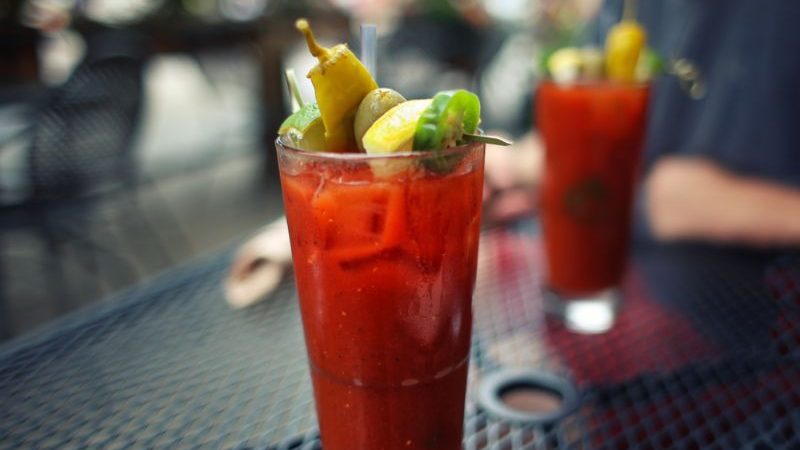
(592, 313)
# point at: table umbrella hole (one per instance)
(528, 396)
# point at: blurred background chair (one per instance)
(78, 154)
(146, 152)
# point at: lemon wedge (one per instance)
(564, 65)
(394, 130)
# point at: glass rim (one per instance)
(355, 157)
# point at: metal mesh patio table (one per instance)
(705, 354)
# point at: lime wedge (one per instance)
(394, 130)
(305, 129)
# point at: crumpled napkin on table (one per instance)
(259, 265)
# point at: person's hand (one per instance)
(512, 176)
(694, 198)
(676, 189)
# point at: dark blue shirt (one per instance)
(748, 54)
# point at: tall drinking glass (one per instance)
(385, 254)
(593, 135)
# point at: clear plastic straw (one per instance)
(629, 10)
(369, 47)
(294, 91)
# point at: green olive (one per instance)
(373, 106)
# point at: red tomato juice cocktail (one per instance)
(593, 135)
(385, 255)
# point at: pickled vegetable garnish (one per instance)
(444, 122)
(374, 105)
(624, 44)
(340, 83)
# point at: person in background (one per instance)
(722, 154)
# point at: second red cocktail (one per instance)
(593, 136)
